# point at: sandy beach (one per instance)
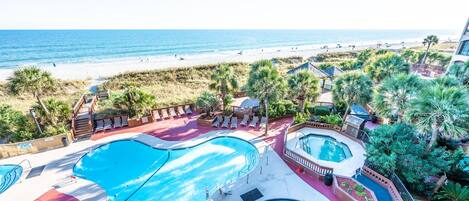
(101, 70)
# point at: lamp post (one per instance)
(33, 114)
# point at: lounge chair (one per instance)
(263, 123)
(172, 113)
(234, 122)
(181, 111)
(144, 120)
(125, 121)
(156, 115)
(107, 124)
(216, 122)
(187, 109)
(226, 122)
(99, 126)
(245, 120)
(117, 122)
(164, 114)
(254, 121)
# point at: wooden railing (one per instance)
(76, 110)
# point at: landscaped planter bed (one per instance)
(348, 190)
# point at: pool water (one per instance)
(325, 148)
(131, 170)
(9, 175)
(381, 193)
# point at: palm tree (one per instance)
(460, 71)
(304, 87)
(429, 41)
(385, 65)
(224, 82)
(393, 95)
(266, 84)
(440, 110)
(351, 87)
(453, 192)
(35, 81)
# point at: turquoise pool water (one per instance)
(9, 174)
(131, 170)
(325, 148)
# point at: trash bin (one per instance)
(64, 141)
(328, 179)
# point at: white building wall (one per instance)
(464, 37)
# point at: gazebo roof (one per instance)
(310, 67)
(333, 71)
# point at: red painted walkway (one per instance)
(186, 128)
(54, 195)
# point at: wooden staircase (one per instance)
(82, 119)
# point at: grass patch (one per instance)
(66, 90)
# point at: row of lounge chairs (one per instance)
(172, 112)
(116, 122)
(232, 121)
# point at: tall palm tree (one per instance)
(266, 84)
(304, 87)
(352, 87)
(441, 111)
(385, 65)
(429, 41)
(35, 81)
(460, 71)
(394, 94)
(224, 82)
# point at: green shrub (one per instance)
(331, 119)
(281, 108)
(319, 110)
(15, 125)
(301, 117)
(208, 102)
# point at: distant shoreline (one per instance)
(99, 70)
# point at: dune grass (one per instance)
(181, 85)
(68, 91)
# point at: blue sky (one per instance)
(233, 14)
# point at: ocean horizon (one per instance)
(50, 47)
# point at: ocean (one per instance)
(46, 47)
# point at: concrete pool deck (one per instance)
(277, 179)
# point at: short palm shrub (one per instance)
(319, 110)
(208, 102)
(453, 192)
(134, 101)
(15, 126)
(59, 112)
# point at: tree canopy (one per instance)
(303, 87)
(224, 82)
(352, 87)
(385, 65)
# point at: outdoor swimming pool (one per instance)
(325, 148)
(131, 170)
(9, 174)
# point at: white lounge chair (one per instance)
(99, 126)
(263, 123)
(216, 122)
(187, 109)
(164, 114)
(226, 122)
(107, 124)
(254, 121)
(181, 111)
(125, 121)
(156, 115)
(245, 120)
(234, 122)
(172, 113)
(117, 122)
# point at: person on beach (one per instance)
(53, 64)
